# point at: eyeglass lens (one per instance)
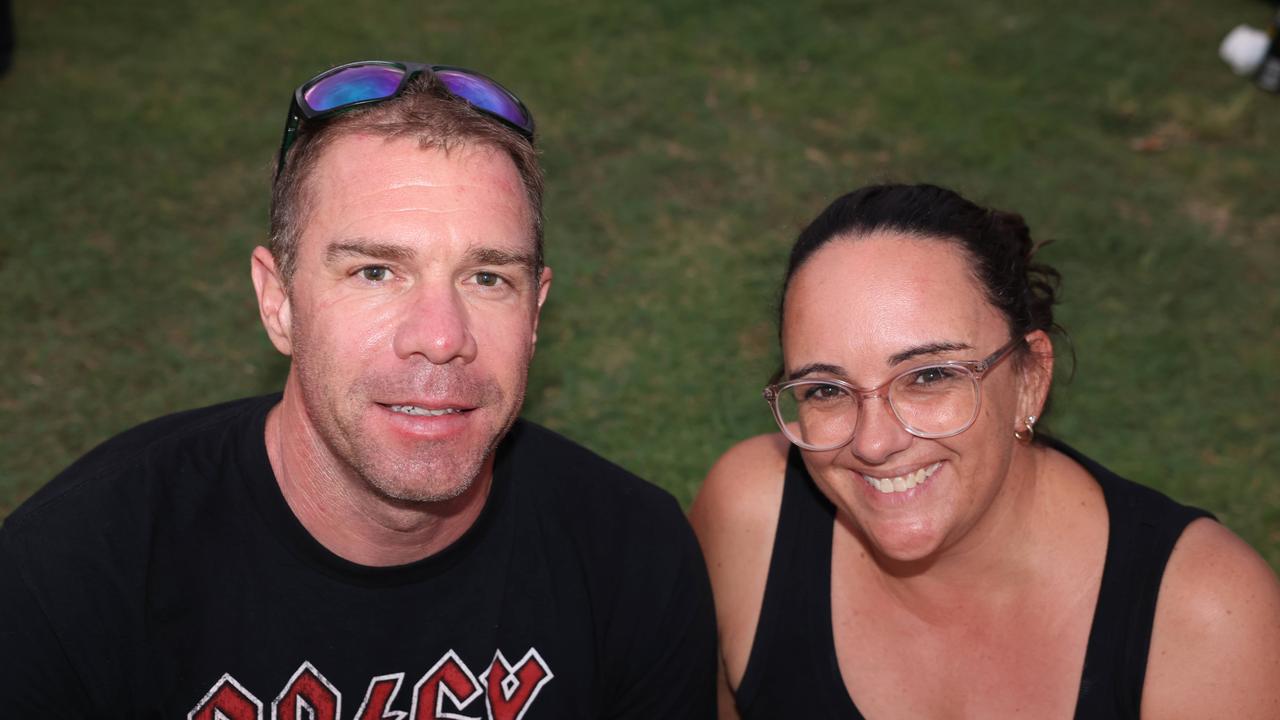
(353, 85)
(931, 401)
(484, 94)
(374, 82)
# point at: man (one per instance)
(385, 539)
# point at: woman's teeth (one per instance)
(901, 483)
(415, 410)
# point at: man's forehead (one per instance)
(406, 161)
(365, 183)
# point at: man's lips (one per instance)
(426, 411)
(418, 421)
(431, 409)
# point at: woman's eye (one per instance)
(930, 375)
(375, 273)
(822, 392)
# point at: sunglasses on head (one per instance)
(372, 81)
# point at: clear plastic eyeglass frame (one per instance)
(975, 369)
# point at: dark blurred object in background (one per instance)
(6, 35)
(1268, 76)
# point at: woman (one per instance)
(910, 547)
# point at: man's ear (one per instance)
(273, 299)
(544, 286)
(1037, 374)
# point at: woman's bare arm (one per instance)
(1215, 646)
(735, 517)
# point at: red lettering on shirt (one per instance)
(446, 692)
(511, 690)
(307, 696)
(382, 692)
(449, 678)
(227, 700)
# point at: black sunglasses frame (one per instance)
(300, 110)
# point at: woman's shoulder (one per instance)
(735, 517)
(741, 495)
(1214, 646)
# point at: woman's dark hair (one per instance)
(997, 243)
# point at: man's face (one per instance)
(412, 315)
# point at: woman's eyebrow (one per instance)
(813, 368)
(933, 348)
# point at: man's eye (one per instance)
(488, 279)
(375, 273)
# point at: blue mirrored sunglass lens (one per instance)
(353, 85)
(484, 94)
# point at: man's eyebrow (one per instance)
(927, 349)
(813, 368)
(368, 248)
(495, 256)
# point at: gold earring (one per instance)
(1027, 434)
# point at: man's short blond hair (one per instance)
(426, 112)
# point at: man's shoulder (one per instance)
(556, 466)
(632, 549)
(122, 467)
(602, 506)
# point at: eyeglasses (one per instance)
(372, 81)
(933, 401)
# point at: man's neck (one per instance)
(344, 513)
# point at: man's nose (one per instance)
(434, 323)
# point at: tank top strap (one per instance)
(792, 646)
(792, 670)
(1143, 528)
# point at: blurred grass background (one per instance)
(685, 144)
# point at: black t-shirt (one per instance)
(164, 576)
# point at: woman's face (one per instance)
(868, 309)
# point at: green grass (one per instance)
(685, 144)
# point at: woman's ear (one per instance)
(1037, 374)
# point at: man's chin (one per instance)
(406, 462)
(407, 496)
(435, 480)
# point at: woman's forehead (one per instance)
(884, 292)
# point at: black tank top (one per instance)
(792, 670)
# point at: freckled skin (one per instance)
(974, 597)
(856, 303)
